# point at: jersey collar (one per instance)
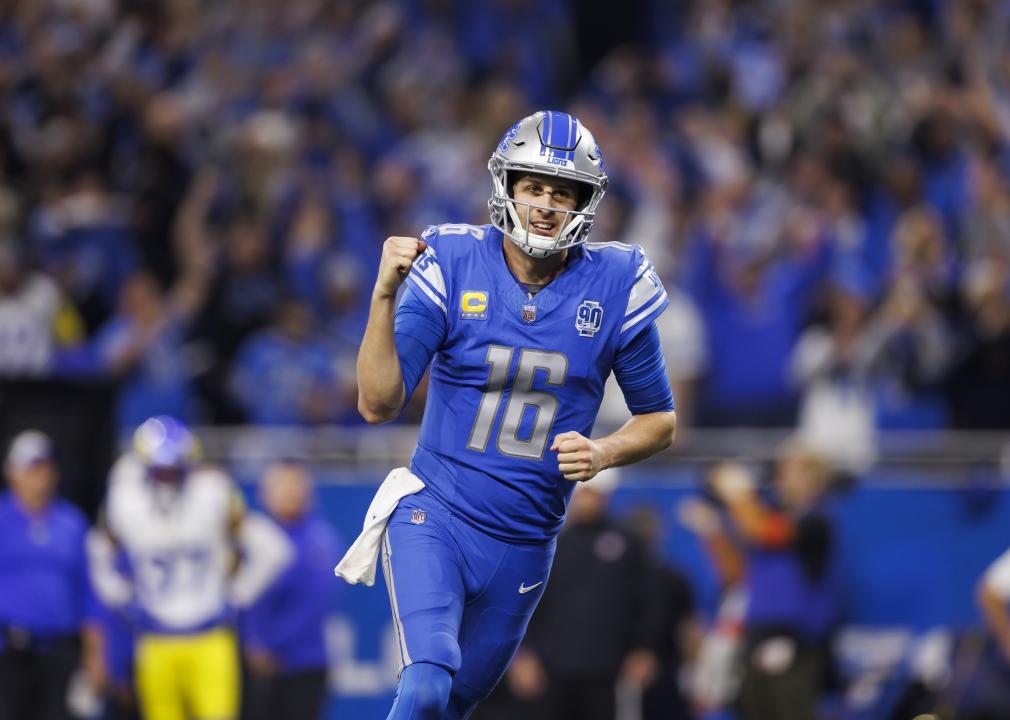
(552, 295)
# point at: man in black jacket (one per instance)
(592, 631)
(672, 627)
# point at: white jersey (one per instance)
(26, 327)
(177, 541)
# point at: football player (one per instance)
(182, 527)
(521, 321)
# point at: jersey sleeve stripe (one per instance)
(428, 268)
(433, 280)
(642, 292)
(421, 284)
(610, 244)
(657, 303)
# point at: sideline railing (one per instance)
(929, 452)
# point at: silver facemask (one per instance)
(552, 144)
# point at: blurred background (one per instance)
(193, 196)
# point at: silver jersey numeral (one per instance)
(544, 404)
(499, 358)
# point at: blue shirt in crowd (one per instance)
(43, 569)
(287, 620)
(750, 338)
(158, 384)
(292, 371)
(796, 587)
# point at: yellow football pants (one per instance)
(184, 677)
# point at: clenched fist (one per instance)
(579, 458)
(398, 254)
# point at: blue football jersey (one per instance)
(514, 371)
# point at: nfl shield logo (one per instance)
(418, 516)
(529, 313)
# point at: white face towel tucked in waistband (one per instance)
(361, 559)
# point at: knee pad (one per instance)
(442, 649)
(422, 694)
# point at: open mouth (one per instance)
(543, 228)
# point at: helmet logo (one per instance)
(559, 136)
(557, 157)
(508, 137)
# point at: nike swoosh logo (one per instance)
(523, 589)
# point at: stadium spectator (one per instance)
(343, 328)
(80, 235)
(980, 378)
(880, 367)
(329, 277)
(282, 632)
(702, 516)
(673, 628)
(295, 362)
(754, 302)
(986, 218)
(832, 365)
(715, 681)
(241, 300)
(37, 327)
(142, 346)
(193, 556)
(792, 587)
(47, 611)
(306, 245)
(154, 162)
(143, 343)
(905, 349)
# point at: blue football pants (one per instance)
(461, 601)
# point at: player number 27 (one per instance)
(544, 404)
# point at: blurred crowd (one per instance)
(193, 194)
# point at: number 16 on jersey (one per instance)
(522, 396)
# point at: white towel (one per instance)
(361, 559)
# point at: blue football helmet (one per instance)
(546, 143)
(166, 447)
